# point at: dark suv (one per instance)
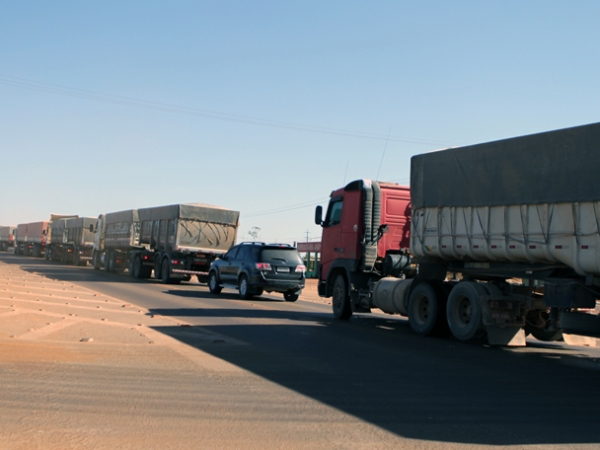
(254, 267)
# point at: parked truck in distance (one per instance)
(175, 242)
(31, 239)
(499, 239)
(7, 238)
(71, 240)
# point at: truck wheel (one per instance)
(213, 283)
(136, 269)
(108, 262)
(35, 252)
(425, 312)
(165, 272)
(96, 260)
(340, 301)
(244, 288)
(290, 296)
(464, 311)
(157, 269)
(76, 261)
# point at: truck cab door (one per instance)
(331, 248)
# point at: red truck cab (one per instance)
(365, 237)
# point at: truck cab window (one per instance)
(334, 213)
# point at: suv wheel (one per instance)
(244, 288)
(213, 283)
(290, 296)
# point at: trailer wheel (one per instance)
(95, 260)
(426, 309)
(464, 311)
(213, 283)
(165, 272)
(136, 271)
(157, 269)
(244, 288)
(108, 262)
(340, 300)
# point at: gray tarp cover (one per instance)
(81, 222)
(130, 215)
(552, 167)
(197, 211)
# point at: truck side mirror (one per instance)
(91, 228)
(319, 215)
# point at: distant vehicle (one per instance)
(498, 239)
(32, 239)
(71, 240)
(7, 238)
(255, 267)
(175, 241)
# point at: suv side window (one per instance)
(334, 213)
(232, 253)
(242, 254)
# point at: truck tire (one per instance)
(213, 283)
(76, 261)
(244, 288)
(96, 260)
(426, 309)
(580, 323)
(36, 251)
(157, 269)
(108, 262)
(165, 273)
(464, 311)
(136, 267)
(340, 301)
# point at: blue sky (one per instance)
(266, 107)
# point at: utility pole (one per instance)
(306, 235)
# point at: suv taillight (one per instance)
(263, 266)
(301, 268)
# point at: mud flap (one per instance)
(506, 336)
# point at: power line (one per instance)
(288, 208)
(178, 109)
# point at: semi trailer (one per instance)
(176, 242)
(494, 240)
(31, 238)
(71, 240)
(7, 238)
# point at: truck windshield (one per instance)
(199, 234)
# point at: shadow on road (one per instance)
(422, 388)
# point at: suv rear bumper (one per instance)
(266, 284)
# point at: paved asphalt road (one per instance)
(433, 391)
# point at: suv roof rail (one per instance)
(281, 244)
(251, 243)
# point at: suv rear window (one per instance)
(290, 256)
